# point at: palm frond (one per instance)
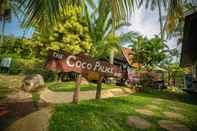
(122, 10)
(38, 10)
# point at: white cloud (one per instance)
(146, 23)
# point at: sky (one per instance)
(146, 22)
(143, 21)
(13, 28)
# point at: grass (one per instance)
(111, 114)
(69, 86)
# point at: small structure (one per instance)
(5, 64)
(189, 47)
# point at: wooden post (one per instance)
(77, 89)
(98, 88)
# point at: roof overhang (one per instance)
(189, 46)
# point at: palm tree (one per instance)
(45, 12)
(101, 29)
(5, 15)
(170, 13)
(39, 12)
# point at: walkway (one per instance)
(66, 97)
(38, 121)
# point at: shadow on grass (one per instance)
(173, 96)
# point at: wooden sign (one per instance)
(82, 64)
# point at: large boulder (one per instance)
(33, 83)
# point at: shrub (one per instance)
(35, 99)
(29, 66)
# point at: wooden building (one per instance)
(189, 47)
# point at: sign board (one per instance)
(82, 64)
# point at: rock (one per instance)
(32, 83)
(173, 115)
(156, 102)
(154, 107)
(145, 112)
(172, 126)
(138, 122)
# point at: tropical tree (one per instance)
(5, 15)
(37, 10)
(19, 47)
(173, 71)
(170, 12)
(70, 34)
(148, 52)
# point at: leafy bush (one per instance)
(29, 66)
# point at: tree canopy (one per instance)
(69, 34)
(148, 52)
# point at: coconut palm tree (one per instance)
(101, 29)
(5, 15)
(171, 10)
(39, 12)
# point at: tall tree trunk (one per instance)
(2, 31)
(160, 20)
(112, 55)
(77, 90)
(98, 88)
(174, 81)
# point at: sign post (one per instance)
(77, 89)
(98, 88)
(85, 66)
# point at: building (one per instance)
(189, 46)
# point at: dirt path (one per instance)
(66, 97)
(37, 121)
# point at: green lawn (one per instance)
(111, 114)
(69, 86)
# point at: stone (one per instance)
(173, 115)
(138, 122)
(154, 107)
(172, 126)
(176, 108)
(32, 83)
(156, 102)
(145, 112)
